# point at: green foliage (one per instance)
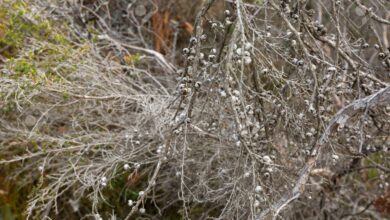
(14, 193)
(18, 24)
(118, 192)
(15, 28)
(23, 67)
(37, 52)
(7, 213)
(375, 158)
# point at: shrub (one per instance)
(270, 109)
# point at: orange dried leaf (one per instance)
(134, 178)
(188, 27)
(162, 30)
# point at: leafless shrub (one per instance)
(268, 112)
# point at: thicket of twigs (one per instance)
(213, 109)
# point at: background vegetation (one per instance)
(206, 109)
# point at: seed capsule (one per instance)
(186, 50)
(193, 40)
